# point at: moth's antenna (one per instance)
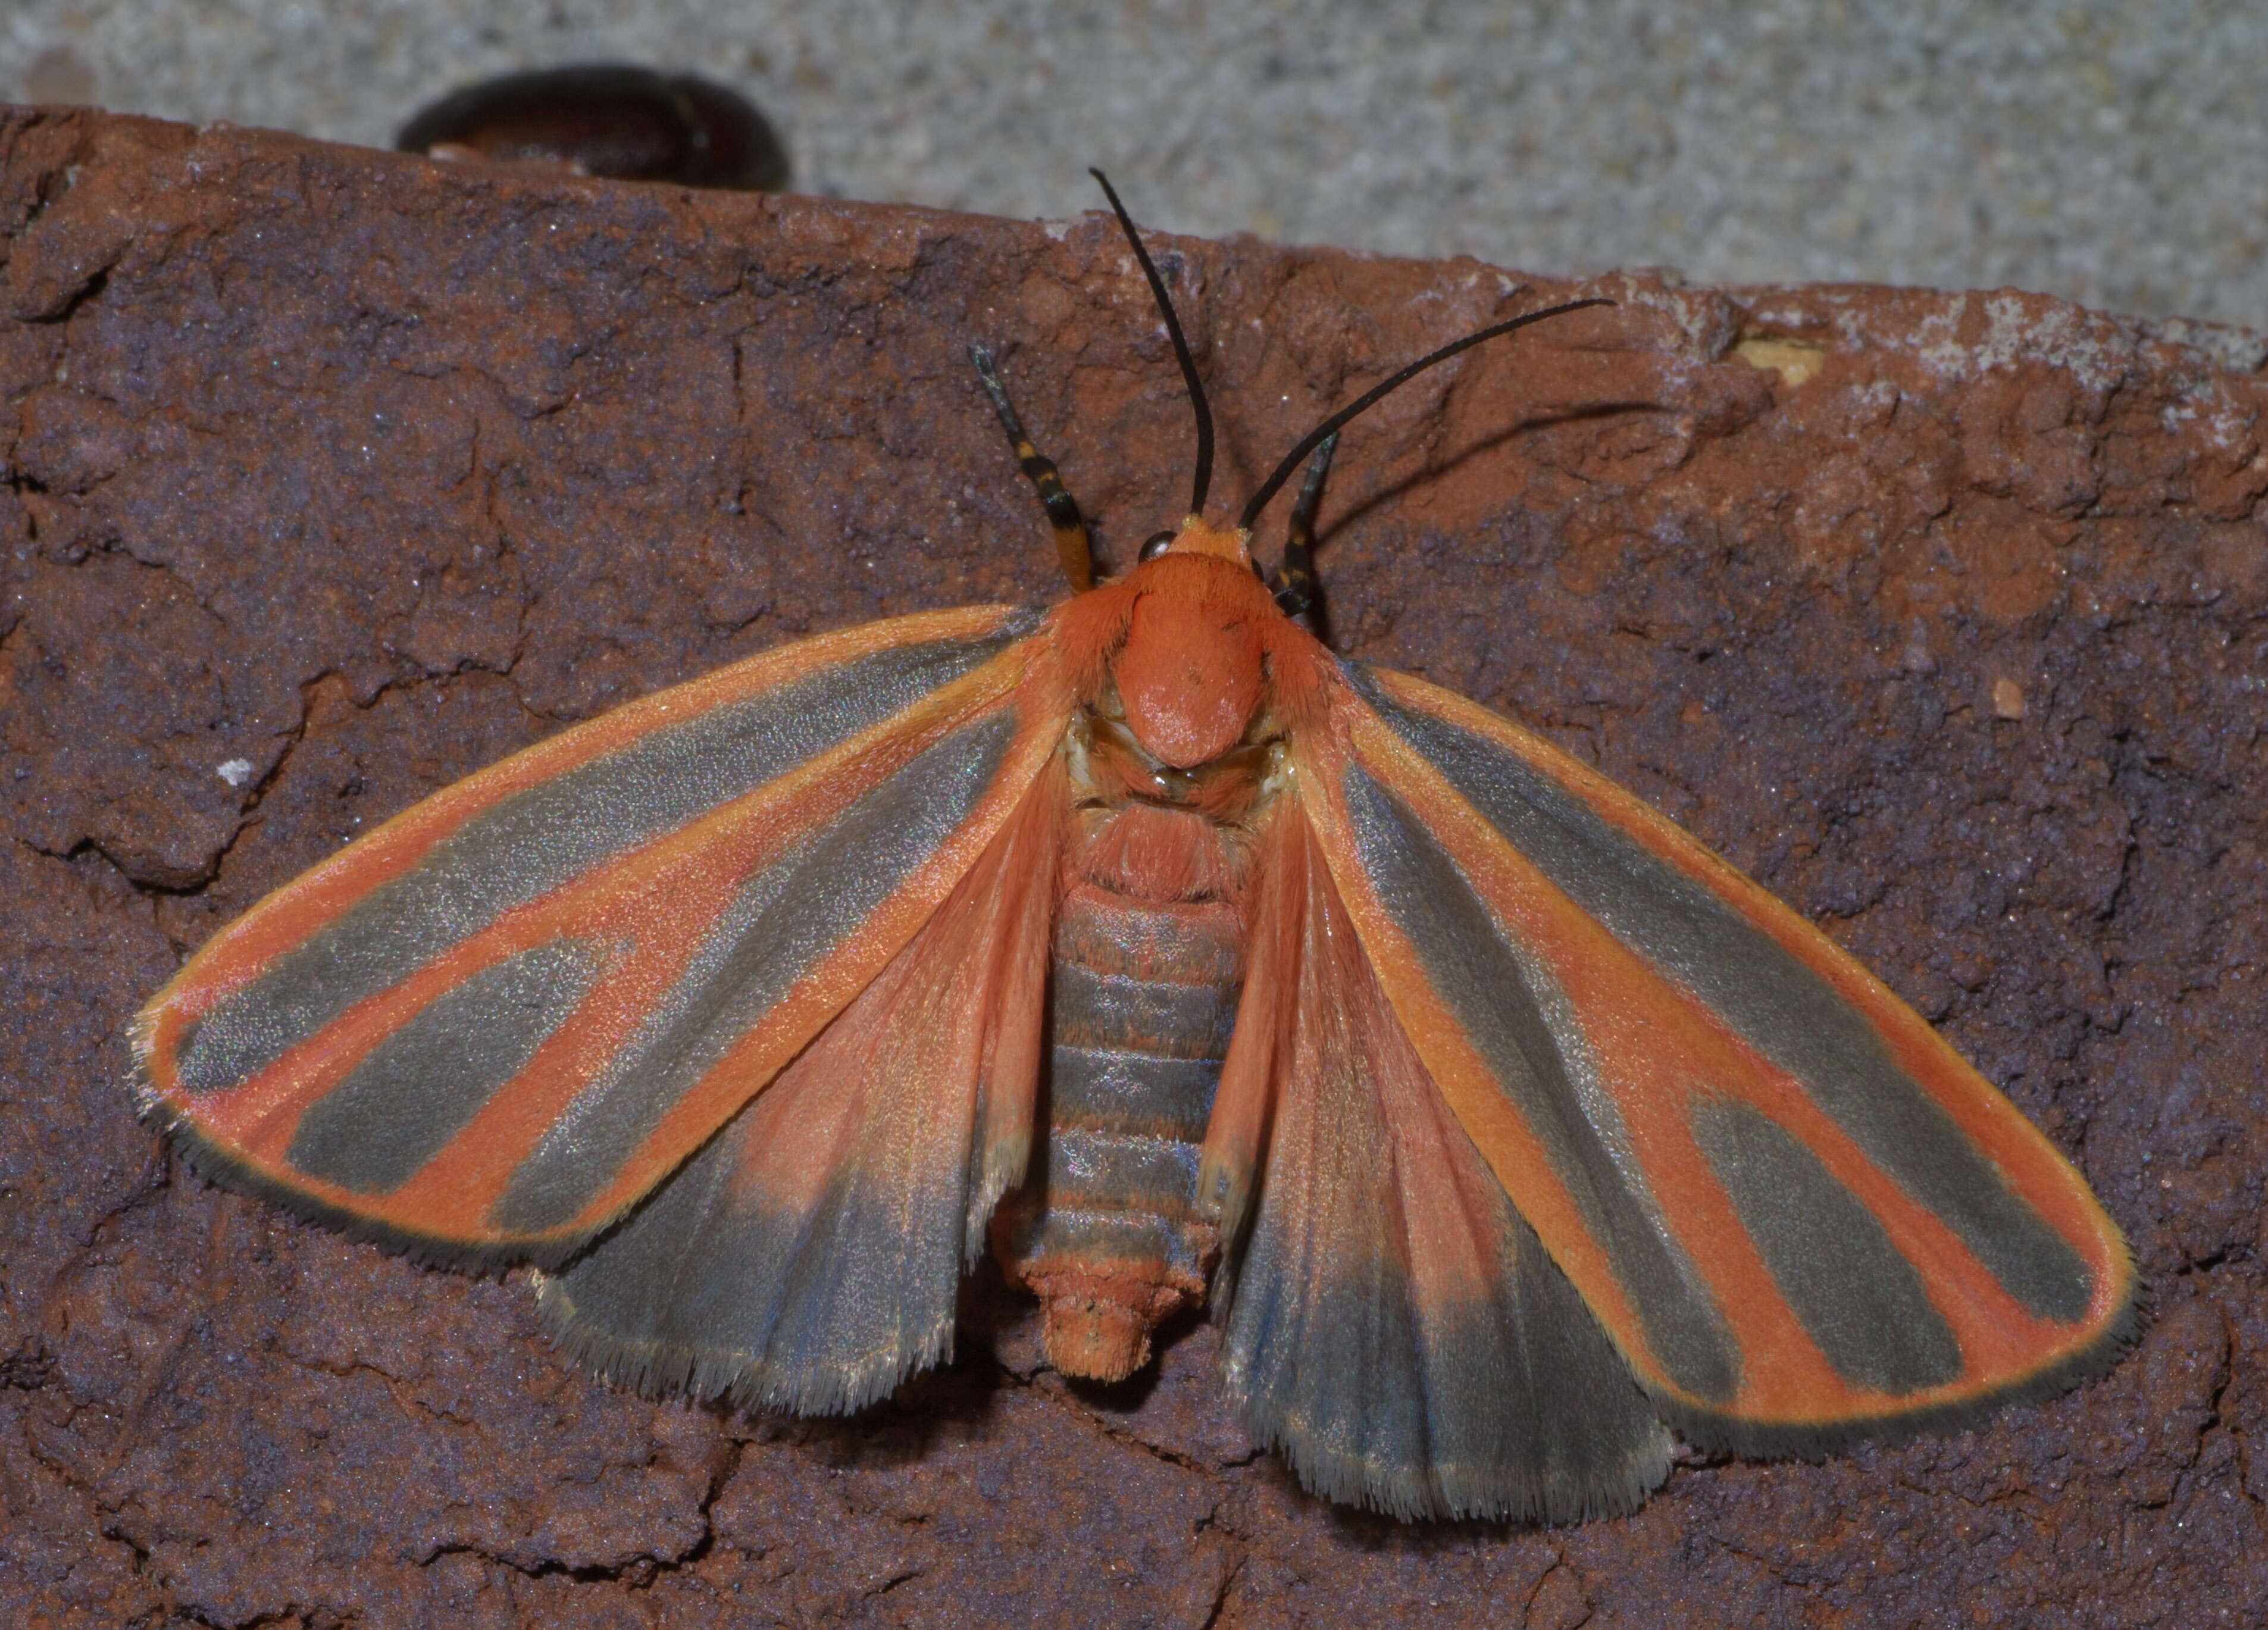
(1180, 349)
(1073, 545)
(1378, 392)
(1295, 578)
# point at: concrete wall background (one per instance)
(2115, 153)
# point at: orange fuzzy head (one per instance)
(1196, 648)
(1191, 673)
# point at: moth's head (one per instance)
(1191, 668)
(1196, 536)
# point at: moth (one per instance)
(1504, 1128)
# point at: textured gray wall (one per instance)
(2116, 153)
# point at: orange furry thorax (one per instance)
(1196, 649)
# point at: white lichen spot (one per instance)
(1709, 323)
(2229, 426)
(2098, 353)
(235, 771)
(1877, 396)
(1938, 342)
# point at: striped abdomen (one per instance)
(1147, 967)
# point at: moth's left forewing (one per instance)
(485, 1029)
(1796, 1210)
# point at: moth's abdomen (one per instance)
(1141, 1001)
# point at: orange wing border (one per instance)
(905, 744)
(1666, 1131)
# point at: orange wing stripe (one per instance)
(596, 1097)
(1693, 1126)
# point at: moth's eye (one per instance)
(1156, 544)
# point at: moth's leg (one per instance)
(1073, 543)
(1294, 580)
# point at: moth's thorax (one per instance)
(1110, 765)
(1192, 670)
(1154, 830)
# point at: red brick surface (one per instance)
(365, 471)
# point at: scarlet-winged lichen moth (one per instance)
(1502, 1126)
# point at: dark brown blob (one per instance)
(607, 118)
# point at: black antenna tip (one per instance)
(1202, 481)
(1370, 398)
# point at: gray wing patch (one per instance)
(1855, 1294)
(1494, 999)
(784, 920)
(548, 835)
(1777, 1004)
(712, 1287)
(1511, 1406)
(422, 1085)
(1395, 1324)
